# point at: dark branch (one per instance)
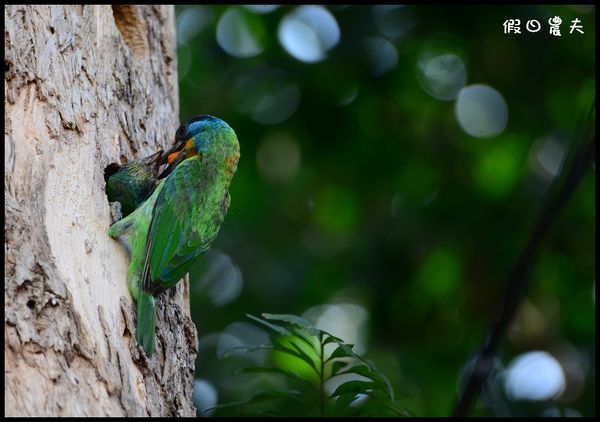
(518, 279)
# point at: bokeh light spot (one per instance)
(440, 273)
(481, 111)
(265, 93)
(261, 8)
(349, 96)
(347, 321)
(381, 54)
(499, 168)
(393, 21)
(205, 396)
(242, 333)
(278, 157)
(442, 76)
(546, 157)
(221, 279)
(191, 21)
(275, 107)
(336, 210)
(534, 376)
(240, 33)
(308, 32)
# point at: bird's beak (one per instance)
(177, 147)
(176, 154)
(172, 160)
(154, 158)
(172, 157)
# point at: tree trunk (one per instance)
(85, 86)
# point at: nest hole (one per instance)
(132, 28)
(109, 170)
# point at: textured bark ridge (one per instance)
(85, 86)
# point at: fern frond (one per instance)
(364, 391)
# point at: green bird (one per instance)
(182, 217)
(132, 183)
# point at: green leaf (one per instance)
(343, 351)
(332, 339)
(370, 372)
(344, 400)
(378, 407)
(271, 395)
(273, 370)
(292, 319)
(273, 327)
(315, 354)
(296, 353)
(356, 387)
(246, 348)
(294, 336)
(308, 338)
(263, 397)
(336, 366)
(363, 370)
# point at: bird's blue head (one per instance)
(202, 129)
(206, 136)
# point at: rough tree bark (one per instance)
(85, 86)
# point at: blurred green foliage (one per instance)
(356, 185)
(326, 377)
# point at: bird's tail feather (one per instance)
(146, 322)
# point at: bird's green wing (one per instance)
(173, 239)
